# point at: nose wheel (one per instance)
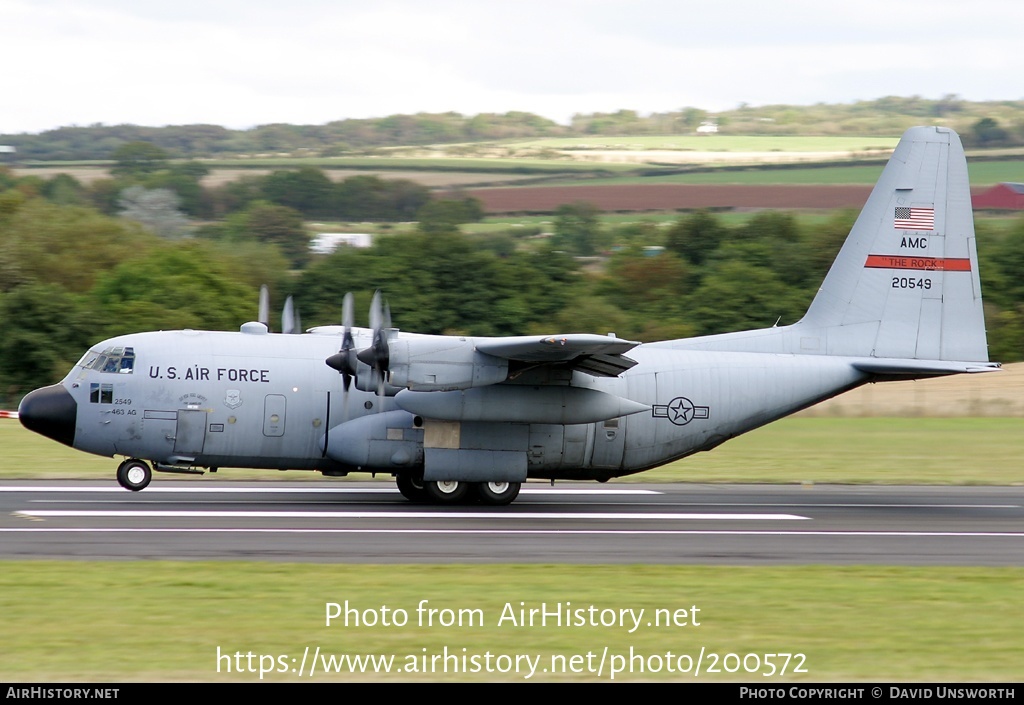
(134, 474)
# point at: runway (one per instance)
(369, 522)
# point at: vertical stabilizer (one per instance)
(906, 284)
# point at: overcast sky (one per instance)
(241, 63)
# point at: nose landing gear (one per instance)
(134, 474)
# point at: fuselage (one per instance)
(259, 400)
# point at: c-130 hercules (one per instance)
(456, 418)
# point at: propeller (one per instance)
(377, 356)
(344, 361)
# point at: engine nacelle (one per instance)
(432, 364)
(520, 404)
(386, 440)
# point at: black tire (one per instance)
(446, 491)
(134, 475)
(412, 487)
(497, 494)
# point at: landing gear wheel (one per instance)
(497, 494)
(446, 491)
(412, 487)
(134, 475)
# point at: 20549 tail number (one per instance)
(911, 283)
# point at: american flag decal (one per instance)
(914, 218)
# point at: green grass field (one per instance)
(716, 143)
(165, 621)
(982, 174)
(469, 164)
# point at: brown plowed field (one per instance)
(667, 197)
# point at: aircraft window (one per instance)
(101, 393)
(112, 360)
(128, 361)
(88, 359)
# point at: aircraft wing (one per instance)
(595, 354)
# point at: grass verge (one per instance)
(165, 621)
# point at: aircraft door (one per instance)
(190, 434)
(273, 415)
(609, 443)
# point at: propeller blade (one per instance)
(263, 315)
(376, 311)
(348, 316)
(288, 317)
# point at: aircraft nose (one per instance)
(50, 411)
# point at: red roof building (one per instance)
(1004, 196)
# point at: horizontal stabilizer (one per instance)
(921, 368)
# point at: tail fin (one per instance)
(905, 284)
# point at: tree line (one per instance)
(984, 124)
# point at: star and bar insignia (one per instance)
(680, 411)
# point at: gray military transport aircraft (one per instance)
(457, 418)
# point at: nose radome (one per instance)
(50, 411)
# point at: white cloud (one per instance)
(311, 61)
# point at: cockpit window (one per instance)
(114, 360)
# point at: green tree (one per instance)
(578, 228)
(65, 190)
(46, 242)
(273, 224)
(988, 133)
(442, 214)
(306, 190)
(179, 285)
(650, 287)
(441, 284)
(740, 296)
(185, 180)
(46, 328)
(695, 236)
(138, 158)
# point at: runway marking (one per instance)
(522, 532)
(841, 505)
(525, 491)
(200, 514)
(308, 490)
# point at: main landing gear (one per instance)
(134, 474)
(455, 491)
